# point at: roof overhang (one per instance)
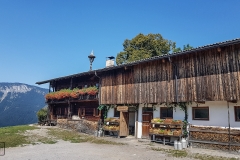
(215, 45)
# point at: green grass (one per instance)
(171, 152)
(75, 137)
(12, 135)
(184, 153)
(46, 140)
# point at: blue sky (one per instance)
(46, 39)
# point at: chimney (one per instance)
(110, 61)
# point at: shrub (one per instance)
(42, 115)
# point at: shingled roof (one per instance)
(214, 45)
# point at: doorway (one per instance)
(146, 122)
(123, 124)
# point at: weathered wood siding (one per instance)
(75, 82)
(207, 75)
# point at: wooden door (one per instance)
(123, 124)
(146, 122)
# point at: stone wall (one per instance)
(81, 125)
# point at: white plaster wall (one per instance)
(139, 129)
(110, 113)
(156, 113)
(139, 132)
(140, 113)
(178, 114)
(218, 114)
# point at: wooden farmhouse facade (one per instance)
(206, 78)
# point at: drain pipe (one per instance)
(175, 76)
(229, 128)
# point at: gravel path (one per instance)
(62, 150)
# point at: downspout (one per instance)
(229, 128)
(175, 75)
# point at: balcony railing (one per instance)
(80, 98)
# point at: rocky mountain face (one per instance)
(19, 103)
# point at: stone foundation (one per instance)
(81, 125)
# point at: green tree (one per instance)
(144, 46)
(42, 114)
(185, 47)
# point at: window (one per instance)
(166, 112)
(147, 109)
(200, 113)
(96, 112)
(81, 112)
(116, 113)
(237, 113)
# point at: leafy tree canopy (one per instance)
(185, 47)
(144, 46)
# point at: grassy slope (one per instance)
(12, 137)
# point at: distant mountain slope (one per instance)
(19, 103)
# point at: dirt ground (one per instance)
(134, 149)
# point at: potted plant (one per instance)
(74, 93)
(92, 91)
(82, 93)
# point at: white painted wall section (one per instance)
(218, 114)
(139, 130)
(156, 112)
(110, 113)
(178, 114)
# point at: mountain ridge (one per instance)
(19, 103)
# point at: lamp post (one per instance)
(91, 59)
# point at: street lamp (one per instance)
(91, 59)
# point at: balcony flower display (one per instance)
(62, 94)
(50, 96)
(68, 93)
(82, 91)
(74, 93)
(92, 91)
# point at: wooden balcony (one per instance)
(81, 98)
